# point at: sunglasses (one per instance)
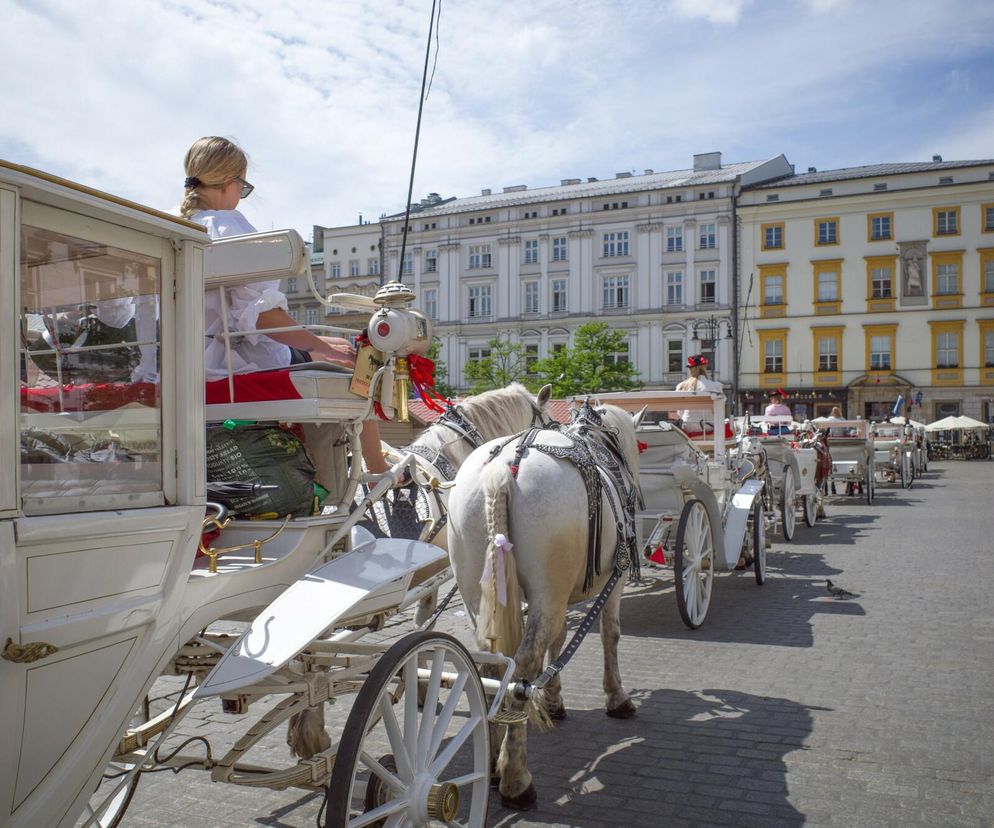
(246, 187)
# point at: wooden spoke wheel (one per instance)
(788, 491)
(439, 768)
(693, 563)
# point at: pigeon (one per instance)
(838, 591)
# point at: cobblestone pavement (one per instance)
(788, 707)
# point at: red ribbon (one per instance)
(422, 371)
(642, 446)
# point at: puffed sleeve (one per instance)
(246, 302)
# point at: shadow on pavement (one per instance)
(780, 612)
(714, 756)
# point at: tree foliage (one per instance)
(590, 365)
(441, 370)
(507, 363)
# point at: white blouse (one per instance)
(255, 352)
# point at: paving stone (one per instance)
(786, 708)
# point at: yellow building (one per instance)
(863, 284)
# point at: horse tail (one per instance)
(500, 620)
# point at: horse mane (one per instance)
(621, 421)
(492, 411)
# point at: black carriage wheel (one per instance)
(693, 563)
(810, 509)
(424, 747)
(788, 518)
(759, 542)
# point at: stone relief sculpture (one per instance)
(913, 269)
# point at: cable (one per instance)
(438, 22)
(417, 136)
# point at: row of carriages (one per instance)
(714, 502)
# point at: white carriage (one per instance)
(893, 453)
(793, 469)
(853, 458)
(704, 510)
(102, 506)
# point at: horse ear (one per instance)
(637, 418)
(544, 395)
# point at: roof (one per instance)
(869, 171)
(585, 189)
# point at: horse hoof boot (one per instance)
(623, 711)
(524, 801)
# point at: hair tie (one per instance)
(191, 182)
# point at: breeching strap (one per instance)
(557, 666)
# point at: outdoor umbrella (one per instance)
(906, 421)
(955, 424)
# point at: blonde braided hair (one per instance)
(210, 162)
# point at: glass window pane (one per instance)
(90, 394)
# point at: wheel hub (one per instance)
(443, 801)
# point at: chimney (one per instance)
(647, 172)
(936, 158)
(568, 181)
(812, 169)
(517, 188)
(485, 192)
(623, 175)
(592, 178)
(707, 161)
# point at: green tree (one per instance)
(507, 363)
(590, 365)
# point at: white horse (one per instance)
(441, 450)
(539, 504)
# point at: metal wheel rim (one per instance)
(788, 518)
(810, 509)
(424, 739)
(694, 565)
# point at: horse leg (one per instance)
(554, 689)
(516, 788)
(619, 705)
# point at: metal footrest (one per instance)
(510, 717)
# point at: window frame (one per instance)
(942, 259)
(529, 291)
(985, 209)
(767, 272)
(560, 243)
(708, 240)
(484, 297)
(878, 331)
(833, 220)
(674, 238)
(827, 376)
(431, 260)
(770, 336)
(986, 329)
(939, 211)
(947, 374)
(615, 244)
(483, 257)
(554, 306)
(986, 257)
(666, 288)
(769, 227)
(530, 249)
(870, 237)
(877, 304)
(713, 282)
(818, 268)
(429, 302)
(620, 285)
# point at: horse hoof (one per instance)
(557, 715)
(622, 711)
(524, 801)
(495, 780)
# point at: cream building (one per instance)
(865, 283)
(651, 255)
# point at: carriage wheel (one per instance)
(810, 509)
(441, 748)
(907, 471)
(693, 563)
(788, 490)
(869, 483)
(759, 542)
(117, 786)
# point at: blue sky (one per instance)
(323, 93)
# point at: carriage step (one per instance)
(510, 717)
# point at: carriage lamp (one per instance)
(712, 328)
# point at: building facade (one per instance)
(863, 284)
(651, 255)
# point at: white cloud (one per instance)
(323, 95)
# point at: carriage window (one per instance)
(90, 394)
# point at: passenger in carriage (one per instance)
(692, 422)
(776, 408)
(215, 183)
